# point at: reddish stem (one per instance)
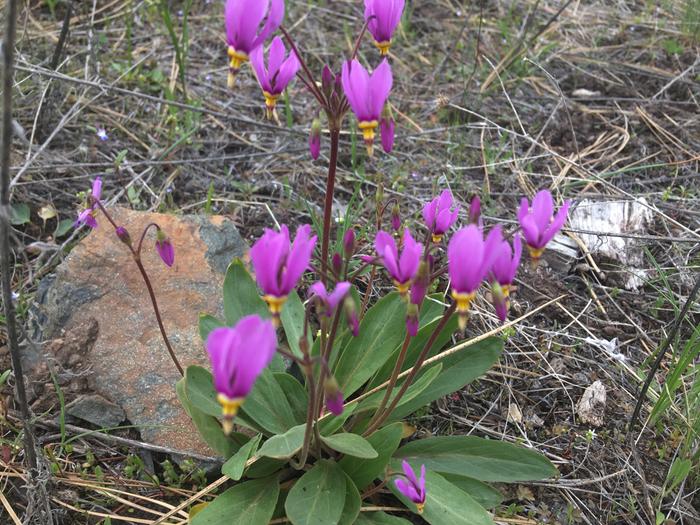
(328, 206)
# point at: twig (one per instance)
(662, 352)
(5, 250)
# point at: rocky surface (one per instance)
(97, 410)
(128, 363)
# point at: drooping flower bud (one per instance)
(337, 263)
(475, 210)
(327, 81)
(412, 319)
(396, 218)
(315, 138)
(87, 215)
(349, 243)
(334, 397)
(351, 315)
(412, 487)
(123, 235)
(500, 301)
(387, 127)
(421, 282)
(164, 247)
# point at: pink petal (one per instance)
(379, 87)
(274, 19)
(542, 209)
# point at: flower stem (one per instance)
(328, 206)
(412, 374)
(392, 381)
(136, 254)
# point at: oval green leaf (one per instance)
(485, 495)
(241, 296)
(249, 503)
(235, 466)
(379, 518)
(353, 502)
(292, 317)
(318, 497)
(479, 458)
(283, 446)
(381, 330)
(385, 441)
(350, 444)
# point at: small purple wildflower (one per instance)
(538, 222)
(383, 16)
(401, 268)
(440, 214)
(412, 487)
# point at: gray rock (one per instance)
(97, 410)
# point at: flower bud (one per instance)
(337, 263)
(387, 127)
(123, 235)
(165, 248)
(334, 397)
(412, 319)
(500, 301)
(351, 315)
(421, 282)
(396, 218)
(327, 81)
(349, 243)
(315, 139)
(475, 210)
(379, 195)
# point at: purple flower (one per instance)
(503, 274)
(383, 16)
(367, 95)
(243, 33)
(165, 248)
(123, 235)
(539, 223)
(412, 319)
(505, 266)
(396, 218)
(412, 487)
(402, 269)
(315, 139)
(279, 72)
(439, 215)
(238, 355)
(469, 259)
(329, 301)
(333, 396)
(387, 127)
(87, 216)
(279, 265)
(102, 134)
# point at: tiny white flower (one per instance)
(102, 134)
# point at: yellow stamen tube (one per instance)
(275, 304)
(270, 103)
(463, 300)
(229, 409)
(236, 60)
(369, 128)
(383, 47)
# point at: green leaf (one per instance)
(19, 213)
(379, 518)
(331, 423)
(263, 467)
(318, 497)
(296, 395)
(292, 317)
(350, 444)
(458, 370)
(267, 406)
(208, 323)
(482, 459)
(385, 441)
(63, 227)
(418, 386)
(249, 503)
(202, 395)
(445, 504)
(382, 328)
(431, 313)
(485, 495)
(208, 426)
(283, 446)
(353, 502)
(241, 295)
(235, 466)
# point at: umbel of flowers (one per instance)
(326, 347)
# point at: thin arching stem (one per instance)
(328, 205)
(312, 84)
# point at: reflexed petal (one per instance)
(243, 18)
(465, 254)
(542, 209)
(524, 209)
(287, 71)
(429, 211)
(530, 231)
(274, 19)
(557, 223)
(517, 253)
(408, 470)
(97, 188)
(386, 249)
(407, 490)
(299, 258)
(493, 240)
(257, 60)
(268, 254)
(341, 290)
(379, 87)
(275, 56)
(410, 256)
(257, 346)
(220, 344)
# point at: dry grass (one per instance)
(599, 101)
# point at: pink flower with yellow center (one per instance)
(412, 487)
(238, 356)
(280, 70)
(440, 214)
(243, 32)
(539, 223)
(367, 95)
(402, 268)
(383, 17)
